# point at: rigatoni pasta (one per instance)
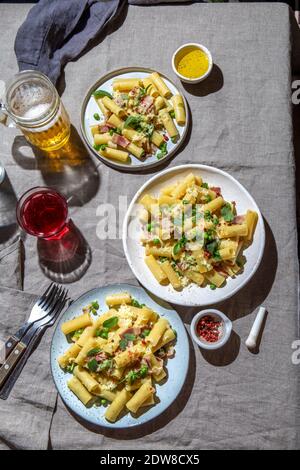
(119, 357)
(140, 116)
(191, 234)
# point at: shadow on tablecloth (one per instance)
(70, 169)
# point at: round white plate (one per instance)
(90, 107)
(166, 392)
(194, 295)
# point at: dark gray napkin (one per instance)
(58, 31)
(157, 2)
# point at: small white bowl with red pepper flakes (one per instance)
(211, 329)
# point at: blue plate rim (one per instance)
(107, 425)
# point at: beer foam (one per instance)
(32, 113)
(36, 111)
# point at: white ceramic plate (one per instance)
(194, 295)
(90, 107)
(166, 392)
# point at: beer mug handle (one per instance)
(5, 117)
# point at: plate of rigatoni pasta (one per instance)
(193, 235)
(119, 357)
(134, 118)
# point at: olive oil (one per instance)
(193, 63)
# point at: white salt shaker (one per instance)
(2, 173)
(251, 341)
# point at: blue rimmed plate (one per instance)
(177, 367)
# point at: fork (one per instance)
(39, 310)
(52, 307)
(37, 336)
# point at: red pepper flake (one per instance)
(209, 329)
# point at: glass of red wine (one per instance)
(43, 212)
(64, 254)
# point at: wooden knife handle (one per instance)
(8, 346)
(11, 361)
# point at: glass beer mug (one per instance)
(33, 103)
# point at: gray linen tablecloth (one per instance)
(242, 124)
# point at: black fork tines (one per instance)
(44, 295)
(51, 297)
(61, 304)
(51, 306)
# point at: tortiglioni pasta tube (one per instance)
(151, 88)
(140, 396)
(117, 405)
(157, 331)
(115, 121)
(118, 299)
(69, 355)
(179, 109)
(251, 221)
(214, 205)
(113, 107)
(106, 113)
(168, 123)
(156, 270)
(114, 154)
(233, 230)
(77, 323)
(87, 380)
(125, 84)
(157, 139)
(172, 275)
(80, 391)
(100, 139)
(160, 85)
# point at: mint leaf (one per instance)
(179, 245)
(78, 333)
(145, 333)
(227, 212)
(143, 371)
(111, 322)
(212, 247)
(93, 365)
(101, 93)
(129, 336)
(107, 364)
(103, 333)
(123, 344)
(95, 304)
(133, 122)
(135, 303)
(207, 216)
(131, 376)
(93, 352)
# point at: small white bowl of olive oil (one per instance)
(192, 62)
